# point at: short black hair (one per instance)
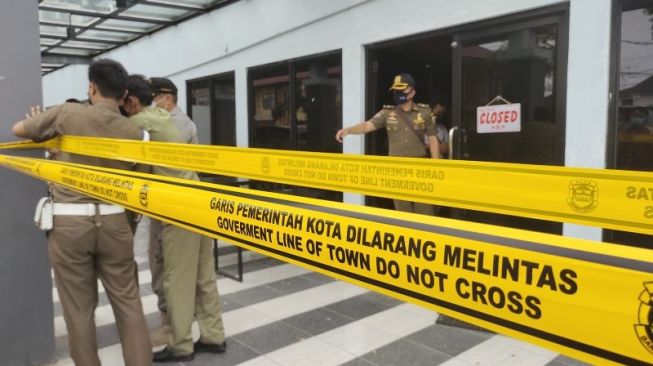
(139, 86)
(110, 77)
(164, 86)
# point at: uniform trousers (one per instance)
(155, 253)
(81, 250)
(190, 289)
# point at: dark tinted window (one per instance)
(634, 116)
(297, 105)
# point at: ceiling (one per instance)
(75, 31)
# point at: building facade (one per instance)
(288, 74)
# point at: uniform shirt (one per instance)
(185, 125)
(101, 119)
(158, 122)
(401, 140)
(442, 134)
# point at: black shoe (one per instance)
(200, 347)
(166, 355)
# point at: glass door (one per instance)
(199, 109)
(518, 69)
(211, 104)
(297, 105)
(632, 136)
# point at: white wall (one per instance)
(256, 32)
(69, 82)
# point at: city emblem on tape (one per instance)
(583, 195)
(265, 165)
(142, 196)
(644, 329)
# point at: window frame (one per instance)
(613, 93)
(290, 67)
(212, 80)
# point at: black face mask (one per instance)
(400, 97)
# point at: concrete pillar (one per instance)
(587, 92)
(26, 312)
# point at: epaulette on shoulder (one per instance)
(388, 106)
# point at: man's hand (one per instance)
(33, 111)
(434, 147)
(363, 127)
(19, 127)
(341, 134)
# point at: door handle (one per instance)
(452, 131)
(463, 142)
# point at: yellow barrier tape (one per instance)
(24, 144)
(636, 138)
(589, 300)
(614, 199)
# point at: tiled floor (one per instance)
(283, 315)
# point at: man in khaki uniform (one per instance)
(189, 283)
(411, 132)
(165, 97)
(91, 239)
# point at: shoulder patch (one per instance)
(423, 108)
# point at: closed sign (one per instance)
(498, 118)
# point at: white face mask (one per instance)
(162, 103)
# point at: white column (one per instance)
(242, 115)
(353, 104)
(587, 92)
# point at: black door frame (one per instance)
(504, 22)
(290, 65)
(211, 80)
(557, 17)
(613, 94)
